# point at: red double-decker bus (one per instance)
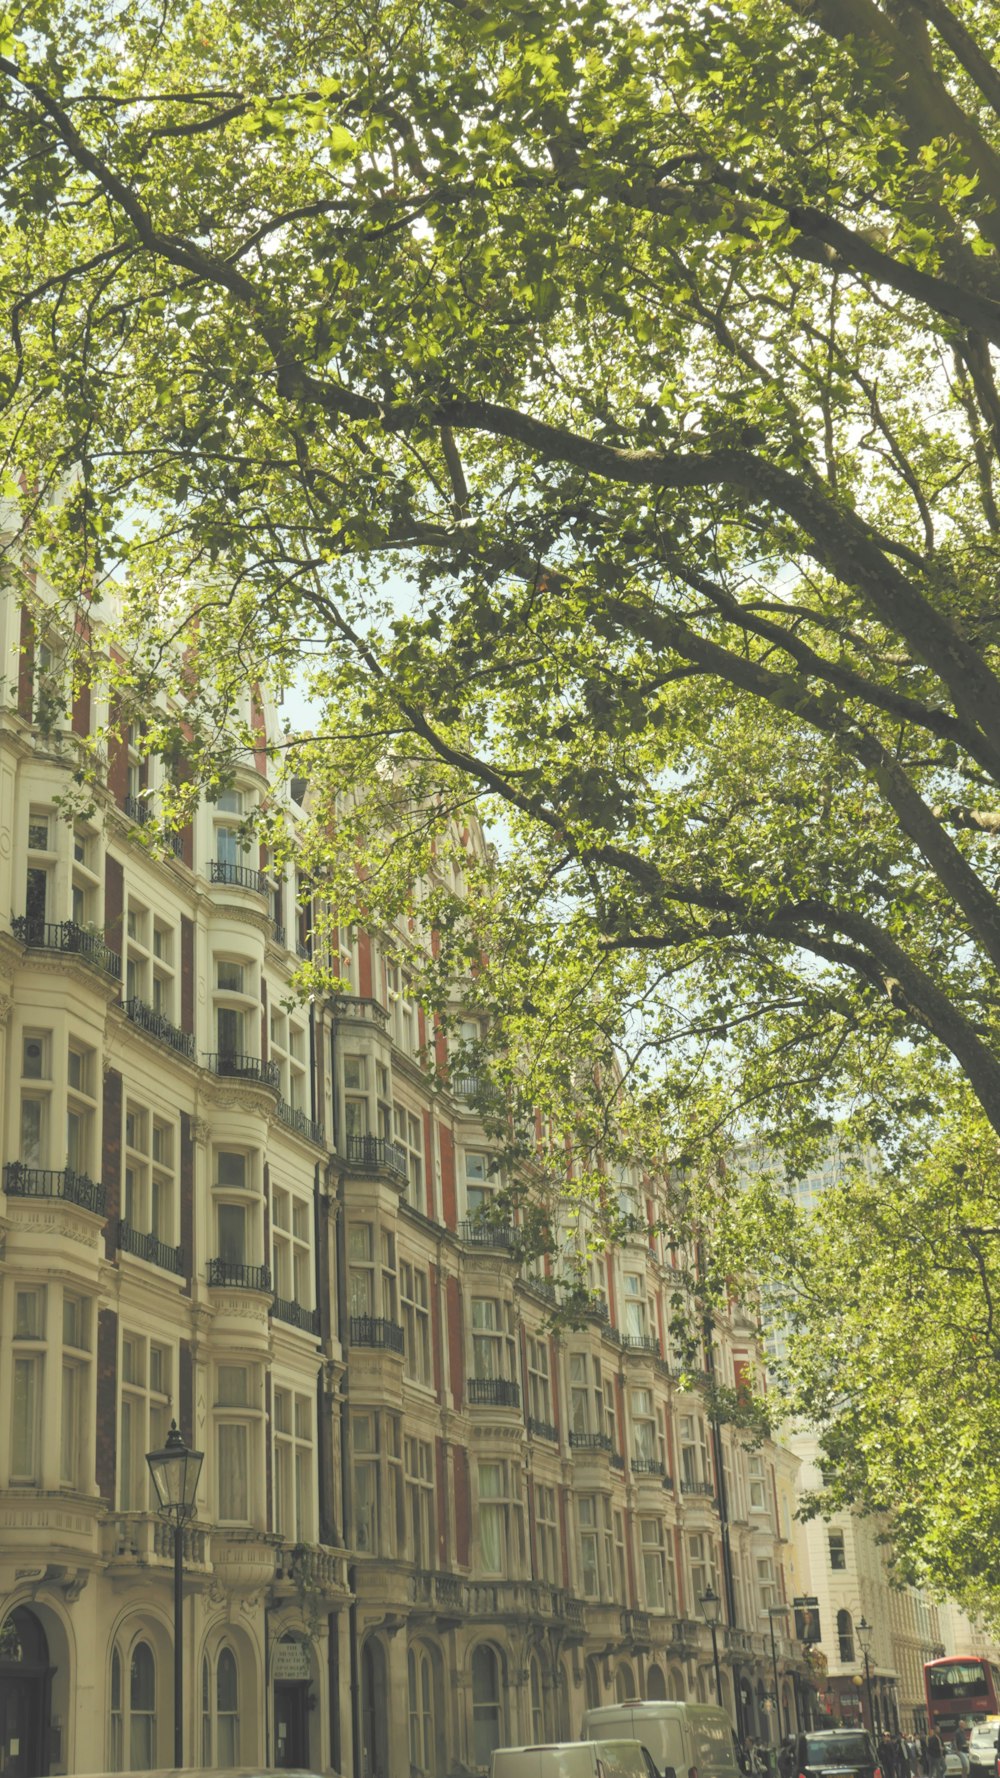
(960, 1688)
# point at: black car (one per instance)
(840, 1753)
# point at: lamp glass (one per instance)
(710, 1604)
(175, 1471)
(865, 1632)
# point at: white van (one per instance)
(676, 1735)
(573, 1759)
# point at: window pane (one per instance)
(234, 1480)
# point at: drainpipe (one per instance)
(346, 1487)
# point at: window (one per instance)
(116, 1752)
(418, 1481)
(645, 1448)
(586, 1394)
(480, 1181)
(36, 1094)
(26, 1384)
(535, 1693)
(292, 1420)
(845, 1636)
(238, 1208)
(38, 898)
(291, 1247)
(501, 1537)
(620, 1583)
(75, 1375)
(420, 1697)
(402, 1009)
(693, 1441)
(838, 1552)
(757, 1482)
(142, 1709)
(288, 1053)
(146, 1371)
(81, 1108)
(86, 883)
(235, 1002)
(355, 1097)
(220, 1706)
(492, 1338)
(539, 1387)
(361, 1269)
(149, 1196)
(635, 1305)
(229, 843)
(487, 1714)
(658, 1594)
(378, 1494)
(610, 1413)
(408, 1131)
(547, 1541)
(414, 1297)
(767, 1592)
(237, 1417)
(593, 1513)
(701, 1560)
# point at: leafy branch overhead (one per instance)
(599, 402)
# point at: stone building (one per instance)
(427, 1522)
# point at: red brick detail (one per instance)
(436, 1348)
(563, 1537)
(26, 666)
(81, 711)
(106, 1431)
(554, 1383)
(185, 1393)
(186, 1173)
(441, 1473)
(421, 1027)
(429, 1205)
(114, 903)
(456, 1341)
(440, 1051)
(660, 1322)
(610, 1274)
(364, 964)
(117, 756)
(187, 974)
(111, 1158)
(449, 1194)
(463, 1504)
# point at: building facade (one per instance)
(429, 1521)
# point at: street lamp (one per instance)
(175, 1471)
(711, 1605)
(865, 1633)
(774, 1611)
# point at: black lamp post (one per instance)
(175, 1471)
(865, 1633)
(774, 1611)
(711, 1605)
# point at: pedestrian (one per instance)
(786, 1758)
(887, 1756)
(935, 1755)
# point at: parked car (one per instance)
(983, 1748)
(573, 1759)
(677, 1735)
(840, 1753)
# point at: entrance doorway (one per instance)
(25, 1685)
(374, 1711)
(291, 1724)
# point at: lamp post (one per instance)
(175, 1471)
(865, 1632)
(711, 1605)
(774, 1611)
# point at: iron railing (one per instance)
(296, 1316)
(543, 1429)
(148, 1019)
(489, 1234)
(52, 1182)
(236, 1067)
(301, 950)
(647, 1466)
(376, 1154)
(373, 1330)
(706, 1488)
(590, 1441)
(278, 933)
(67, 935)
(237, 1272)
(299, 1122)
(238, 876)
(641, 1343)
(493, 1392)
(636, 1625)
(137, 808)
(150, 1248)
(617, 1461)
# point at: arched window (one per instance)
(227, 1708)
(420, 1684)
(486, 1709)
(656, 1687)
(624, 1683)
(206, 1711)
(142, 1709)
(677, 1688)
(116, 1756)
(592, 1683)
(537, 1706)
(845, 1633)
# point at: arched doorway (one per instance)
(656, 1685)
(25, 1682)
(624, 1683)
(374, 1710)
(291, 1673)
(487, 1703)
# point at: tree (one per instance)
(656, 345)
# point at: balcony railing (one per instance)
(377, 1154)
(49, 1182)
(590, 1441)
(635, 1625)
(543, 1287)
(617, 1461)
(543, 1429)
(285, 1309)
(647, 1466)
(359, 1006)
(148, 1019)
(705, 1488)
(150, 1248)
(299, 1122)
(489, 1234)
(597, 1310)
(475, 1086)
(237, 876)
(278, 933)
(66, 935)
(236, 1067)
(493, 1392)
(372, 1330)
(641, 1343)
(137, 808)
(235, 1272)
(302, 950)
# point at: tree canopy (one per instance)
(653, 346)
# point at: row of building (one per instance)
(429, 1521)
